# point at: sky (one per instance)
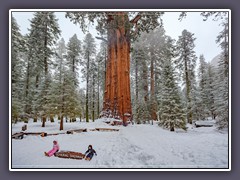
(205, 32)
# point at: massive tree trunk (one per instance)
(117, 99)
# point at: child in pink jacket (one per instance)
(53, 150)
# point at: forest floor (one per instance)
(134, 146)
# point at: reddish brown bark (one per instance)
(117, 99)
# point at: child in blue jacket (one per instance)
(89, 153)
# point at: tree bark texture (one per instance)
(117, 99)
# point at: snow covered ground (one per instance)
(134, 146)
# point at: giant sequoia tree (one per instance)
(121, 27)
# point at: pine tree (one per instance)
(203, 78)
(155, 42)
(186, 63)
(17, 64)
(29, 92)
(89, 50)
(57, 89)
(100, 80)
(210, 89)
(101, 59)
(222, 93)
(44, 32)
(73, 55)
(171, 111)
(141, 100)
(82, 103)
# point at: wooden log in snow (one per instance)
(204, 124)
(18, 135)
(43, 134)
(80, 130)
(33, 133)
(106, 129)
(69, 132)
(76, 130)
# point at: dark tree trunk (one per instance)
(62, 108)
(152, 90)
(51, 118)
(188, 87)
(93, 99)
(37, 81)
(226, 51)
(61, 122)
(98, 91)
(27, 87)
(35, 119)
(73, 68)
(87, 117)
(145, 80)
(45, 67)
(43, 121)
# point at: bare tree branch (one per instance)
(101, 38)
(135, 19)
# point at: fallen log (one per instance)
(80, 130)
(106, 129)
(69, 132)
(203, 125)
(18, 135)
(69, 155)
(76, 130)
(43, 134)
(33, 133)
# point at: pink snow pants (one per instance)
(52, 151)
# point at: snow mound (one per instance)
(134, 146)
